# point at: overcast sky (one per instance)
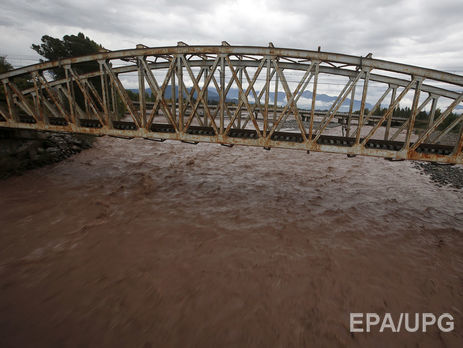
(425, 33)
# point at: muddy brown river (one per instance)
(142, 244)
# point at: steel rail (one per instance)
(371, 63)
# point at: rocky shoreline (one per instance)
(442, 174)
(21, 150)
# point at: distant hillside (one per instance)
(323, 100)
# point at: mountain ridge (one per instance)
(233, 96)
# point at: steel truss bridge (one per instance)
(256, 118)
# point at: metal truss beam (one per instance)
(256, 118)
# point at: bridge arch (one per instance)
(262, 96)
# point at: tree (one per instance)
(71, 46)
(4, 65)
(132, 95)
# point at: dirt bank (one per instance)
(21, 150)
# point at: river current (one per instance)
(143, 244)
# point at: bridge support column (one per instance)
(362, 105)
(104, 93)
(275, 100)
(9, 100)
(414, 111)
(222, 93)
(389, 119)
(172, 94)
(314, 97)
(206, 96)
(87, 107)
(433, 110)
(458, 151)
(351, 109)
(70, 90)
(267, 96)
(141, 91)
(21, 101)
(38, 95)
(180, 94)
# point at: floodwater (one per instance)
(136, 243)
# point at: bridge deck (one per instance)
(161, 132)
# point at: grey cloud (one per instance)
(413, 32)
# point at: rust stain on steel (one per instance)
(33, 109)
(250, 51)
(438, 91)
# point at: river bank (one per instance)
(442, 174)
(22, 150)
